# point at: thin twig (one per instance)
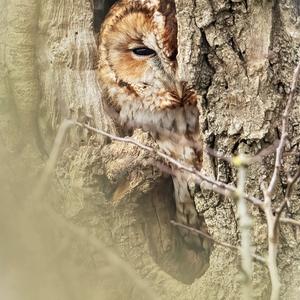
(291, 182)
(41, 186)
(289, 221)
(245, 223)
(218, 154)
(264, 152)
(273, 242)
(278, 159)
(249, 159)
(284, 131)
(288, 192)
(223, 244)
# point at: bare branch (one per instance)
(245, 223)
(264, 152)
(218, 154)
(249, 159)
(41, 187)
(273, 219)
(289, 221)
(223, 244)
(284, 130)
(190, 169)
(273, 242)
(291, 182)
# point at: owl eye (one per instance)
(143, 51)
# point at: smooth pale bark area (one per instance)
(239, 54)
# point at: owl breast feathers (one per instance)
(138, 68)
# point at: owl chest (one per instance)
(182, 149)
(183, 153)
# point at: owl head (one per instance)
(138, 68)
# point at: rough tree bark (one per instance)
(240, 56)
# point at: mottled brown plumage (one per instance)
(138, 74)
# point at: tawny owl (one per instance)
(138, 72)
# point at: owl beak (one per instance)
(170, 103)
(178, 94)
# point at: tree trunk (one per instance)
(104, 221)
